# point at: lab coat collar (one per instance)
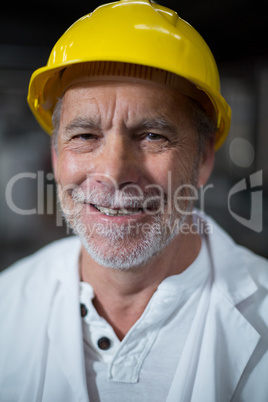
(228, 346)
(65, 327)
(231, 274)
(228, 339)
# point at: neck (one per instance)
(122, 296)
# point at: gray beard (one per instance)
(127, 248)
(122, 251)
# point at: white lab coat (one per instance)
(41, 346)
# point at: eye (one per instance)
(85, 137)
(155, 137)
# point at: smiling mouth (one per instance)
(117, 212)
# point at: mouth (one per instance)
(117, 212)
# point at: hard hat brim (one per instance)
(46, 88)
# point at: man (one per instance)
(140, 306)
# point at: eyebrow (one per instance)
(89, 123)
(157, 123)
(84, 123)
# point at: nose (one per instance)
(118, 162)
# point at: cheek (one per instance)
(72, 169)
(171, 171)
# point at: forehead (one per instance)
(124, 97)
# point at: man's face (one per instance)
(127, 154)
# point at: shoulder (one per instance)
(38, 270)
(234, 256)
(32, 290)
(47, 255)
(256, 265)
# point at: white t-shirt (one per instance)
(141, 367)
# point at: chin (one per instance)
(123, 251)
(120, 258)
(126, 247)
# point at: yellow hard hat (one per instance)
(137, 32)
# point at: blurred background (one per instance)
(236, 32)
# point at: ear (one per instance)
(54, 160)
(206, 162)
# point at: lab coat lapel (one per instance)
(228, 343)
(65, 331)
(228, 339)
(211, 367)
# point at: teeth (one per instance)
(115, 212)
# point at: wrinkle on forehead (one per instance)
(109, 103)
